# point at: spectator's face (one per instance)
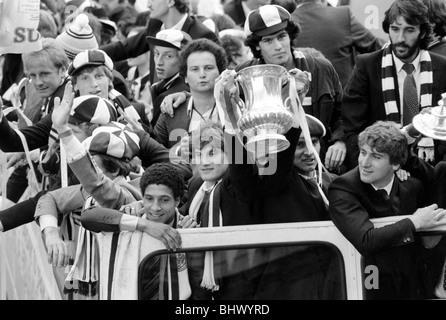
(167, 62)
(405, 39)
(202, 71)
(212, 163)
(375, 167)
(160, 203)
(45, 77)
(158, 8)
(305, 160)
(276, 48)
(93, 82)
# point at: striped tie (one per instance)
(410, 95)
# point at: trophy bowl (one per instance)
(265, 118)
(431, 122)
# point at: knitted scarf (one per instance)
(388, 83)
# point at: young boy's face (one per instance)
(375, 167)
(93, 80)
(160, 203)
(167, 62)
(304, 160)
(212, 163)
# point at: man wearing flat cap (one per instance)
(270, 33)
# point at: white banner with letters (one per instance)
(19, 20)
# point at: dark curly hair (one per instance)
(415, 13)
(253, 40)
(204, 45)
(166, 174)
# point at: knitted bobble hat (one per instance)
(78, 37)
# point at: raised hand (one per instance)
(62, 109)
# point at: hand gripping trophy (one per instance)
(270, 108)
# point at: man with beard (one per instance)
(376, 88)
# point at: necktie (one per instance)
(204, 203)
(410, 95)
(394, 201)
(383, 194)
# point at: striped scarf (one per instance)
(388, 83)
(212, 217)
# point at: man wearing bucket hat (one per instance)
(166, 47)
(270, 34)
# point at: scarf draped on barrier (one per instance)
(121, 256)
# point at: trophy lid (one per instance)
(431, 122)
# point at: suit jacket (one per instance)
(137, 44)
(336, 33)
(234, 9)
(166, 125)
(363, 102)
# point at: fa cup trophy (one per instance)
(265, 116)
(431, 122)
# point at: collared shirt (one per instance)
(388, 188)
(179, 25)
(402, 76)
(196, 118)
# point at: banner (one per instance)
(19, 20)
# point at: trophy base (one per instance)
(269, 143)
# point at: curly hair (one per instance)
(204, 45)
(166, 174)
(252, 41)
(386, 137)
(415, 13)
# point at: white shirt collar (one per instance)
(388, 188)
(399, 64)
(179, 25)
